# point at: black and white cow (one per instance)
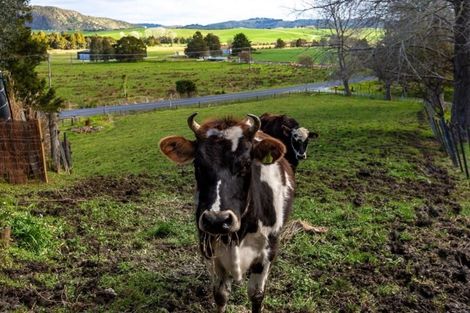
(288, 130)
(244, 196)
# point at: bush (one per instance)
(305, 60)
(280, 44)
(186, 87)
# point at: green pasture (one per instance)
(257, 36)
(319, 55)
(396, 214)
(91, 84)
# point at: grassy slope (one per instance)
(371, 178)
(92, 84)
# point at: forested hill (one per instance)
(53, 18)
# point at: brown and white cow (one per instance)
(288, 130)
(244, 196)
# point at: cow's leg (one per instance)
(221, 287)
(259, 275)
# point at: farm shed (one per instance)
(84, 55)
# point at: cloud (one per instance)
(178, 12)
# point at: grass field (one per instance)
(398, 220)
(91, 84)
(255, 35)
(319, 55)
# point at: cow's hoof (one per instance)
(221, 309)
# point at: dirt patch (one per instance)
(122, 189)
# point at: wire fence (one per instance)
(454, 139)
(22, 152)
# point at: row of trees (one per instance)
(202, 46)
(64, 41)
(77, 40)
(127, 49)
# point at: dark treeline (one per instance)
(77, 40)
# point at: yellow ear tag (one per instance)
(268, 159)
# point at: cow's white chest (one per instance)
(271, 174)
(236, 260)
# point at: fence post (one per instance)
(43, 154)
(464, 158)
(448, 142)
(456, 147)
(5, 237)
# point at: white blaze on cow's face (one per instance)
(299, 142)
(222, 163)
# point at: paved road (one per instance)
(231, 97)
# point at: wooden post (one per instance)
(43, 155)
(5, 237)
(54, 136)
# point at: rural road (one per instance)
(230, 97)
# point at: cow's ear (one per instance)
(312, 135)
(286, 130)
(178, 149)
(269, 151)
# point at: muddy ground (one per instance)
(433, 272)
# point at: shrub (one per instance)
(305, 60)
(280, 43)
(186, 87)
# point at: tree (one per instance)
(130, 49)
(186, 87)
(20, 53)
(197, 46)
(305, 60)
(461, 28)
(240, 42)
(213, 44)
(458, 25)
(102, 48)
(343, 18)
(280, 44)
(416, 49)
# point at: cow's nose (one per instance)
(303, 156)
(217, 222)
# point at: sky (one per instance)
(179, 12)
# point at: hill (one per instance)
(57, 19)
(260, 22)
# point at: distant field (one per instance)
(319, 55)
(255, 35)
(93, 84)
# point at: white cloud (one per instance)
(179, 12)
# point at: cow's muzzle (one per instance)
(302, 156)
(219, 223)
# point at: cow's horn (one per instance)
(192, 123)
(256, 123)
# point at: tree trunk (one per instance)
(347, 89)
(435, 96)
(388, 90)
(55, 143)
(461, 101)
